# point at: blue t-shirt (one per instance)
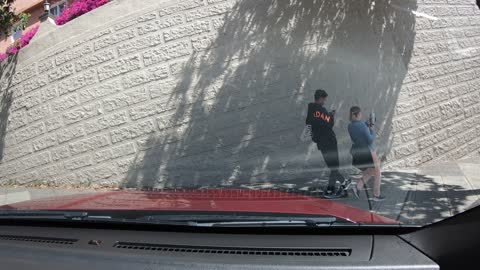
(362, 136)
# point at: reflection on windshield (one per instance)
(366, 105)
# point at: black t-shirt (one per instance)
(322, 123)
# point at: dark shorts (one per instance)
(362, 159)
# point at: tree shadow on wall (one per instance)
(7, 69)
(240, 100)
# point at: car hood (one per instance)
(204, 200)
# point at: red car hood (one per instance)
(215, 200)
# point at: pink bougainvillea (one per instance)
(3, 56)
(12, 50)
(78, 8)
(25, 39)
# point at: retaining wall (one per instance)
(208, 92)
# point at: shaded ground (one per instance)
(420, 196)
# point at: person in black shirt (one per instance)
(320, 122)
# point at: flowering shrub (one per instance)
(24, 41)
(12, 50)
(78, 8)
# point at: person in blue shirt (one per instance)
(364, 156)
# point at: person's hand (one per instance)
(371, 127)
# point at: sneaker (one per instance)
(347, 184)
(377, 199)
(355, 191)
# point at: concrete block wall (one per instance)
(436, 116)
(209, 92)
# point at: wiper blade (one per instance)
(180, 220)
(269, 223)
(242, 221)
(63, 215)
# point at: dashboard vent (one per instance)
(306, 252)
(45, 240)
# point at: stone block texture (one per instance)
(214, 92)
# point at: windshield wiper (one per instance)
(62, 215)
(268, 223)
(205, 220)
(243, 221)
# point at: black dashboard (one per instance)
(24, 247)
(453, 243)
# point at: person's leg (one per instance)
(330, 155)
(325, 149)
(362, 182)
(366, 175)
(377, 175)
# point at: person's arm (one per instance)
(350, 131)
(308, 120)
(369, 133)
(332, 119)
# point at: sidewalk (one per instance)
(15, 195)
(419, 196)
(422, 196)
(429, 194)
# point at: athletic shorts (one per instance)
(362, 159)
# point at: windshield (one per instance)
(364, 111)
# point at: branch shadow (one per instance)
(7, 69)
(238, 107)
(415, 198)
(411, 198)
